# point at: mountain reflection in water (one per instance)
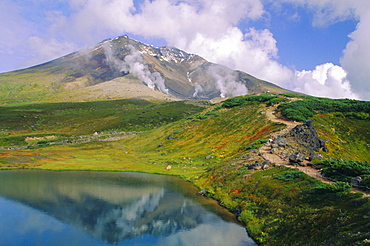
(99, 208)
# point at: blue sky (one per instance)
(319, 47)
(304, 46)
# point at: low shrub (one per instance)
(333, 188)
(238, 101)
(303, 109)
(345, 167)
(289, 175)
(276, 100)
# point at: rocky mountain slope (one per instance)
(124, 68)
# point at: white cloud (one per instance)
(9, 16)
(47, 49)
(220, 233)
(14, 30)
(355, 59)
(327, 80)
(253, 52)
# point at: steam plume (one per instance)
(226, 81)
(134, 63)
(198, 89)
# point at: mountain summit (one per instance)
(125, 68)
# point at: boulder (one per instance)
(280, 142)
(307, 136)
(317, 156)
(309, 123)
(256, 166)
(265, 165)
(251, 166)
(297, 158)
(356, 181)
(274, 146)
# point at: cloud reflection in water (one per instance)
(109, 208)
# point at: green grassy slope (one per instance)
(211, 147)
(216, 133)
(346, 137)
(66, 119)
(28, 85)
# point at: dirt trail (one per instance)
(265, 150)
(270, 113)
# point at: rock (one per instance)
(170, 137)
(251, 166)
(168, 168)
(274, 146)
(307, 136)
(309, 123)
(208, 157)
(302, 164)
(316, 156)
(203, 192)
(356, 181)
(280, 142)
(257, 165)
(297, 158)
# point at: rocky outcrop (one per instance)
(258, 165)
(299, 144)
(306, 136)
(279, 142)
(297, 158)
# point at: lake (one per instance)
(110, 208)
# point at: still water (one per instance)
(110, 208)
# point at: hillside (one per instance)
(123, 68)
(293, 168)
(219, 147)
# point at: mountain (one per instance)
(124, 68)
(226, 149)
